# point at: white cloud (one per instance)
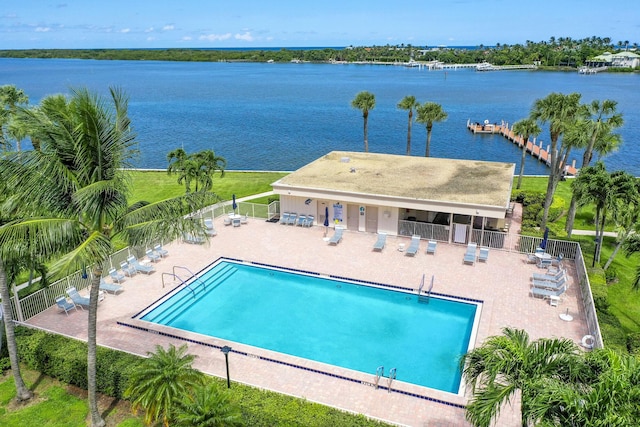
(125, 30)
(42, 29)
(187, 38)
(150, 38)
(168, 28)
(246, 37)
(149, 30)
(215, 37)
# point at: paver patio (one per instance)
(502, 284)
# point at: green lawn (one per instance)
(56, 405)
(154, 186)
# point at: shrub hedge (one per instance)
(66, 359)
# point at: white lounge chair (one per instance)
(544, 284)
(160, 251)
(470, 255)
(115, 276)
(110, 287)
(66, 305)
(77, 298)
(284, 218)
(413, 246)
(292, 218)
(431, 247)
(484, 254)
(337, 236)
(379, 244)
(153, 257)
(309, 221)
(547, 293)
(127, 269)
(209, 228)
(140, 268)
(301, 220)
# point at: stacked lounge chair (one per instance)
(301, 220)
(547, 284)
(292, 218)
(548, 293)
(284, 218)
(209, 228)
(127, 269)
(152, 256)
(484, 254)
(309, 221)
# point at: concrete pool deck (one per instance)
(502, 284)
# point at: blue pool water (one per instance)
(340, 323)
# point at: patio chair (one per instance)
(153, 257)
(532, 259)
(284, 218)
(127, 269)
(77, 298)
(557, 262)
(484, 254)
(337, 236)
(544, 262)
(115, 276)
(292, 218)
(235, 221)
(379, 244)
(470, 255)
(160, 251)
(140, 268)
(413, 246)
(66, 305)
(301, 220)
(309, 221)
(431, 247)
(547, 284)
(244, 219)
(209, 228)
(110, 287)
(547, 293)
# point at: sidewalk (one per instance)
(593, 233)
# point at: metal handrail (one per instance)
(392, 376)
(175, 276)
(193, 275)
(421, 285)
(379, 373)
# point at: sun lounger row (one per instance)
(292, 218)
(470, 254)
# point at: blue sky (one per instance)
(287, 23)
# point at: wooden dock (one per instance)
(535, 149)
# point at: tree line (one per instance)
(555, 52)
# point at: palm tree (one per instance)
(603, 119)
(509, 363)
(162, 379)
(559, 111)
(606, 396)
(428, 113)
(408, 103)
(365, 102)
(10, 98)
(525, 128)
(208, 407)
(625, 206)
(77, 178)
(593, 186)
(208, 164)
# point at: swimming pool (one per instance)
(341, 323)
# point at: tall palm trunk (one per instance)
(96, 419)
(365, 115)
(22, 392)
(409, 133)
(522, 160)
(427, 149)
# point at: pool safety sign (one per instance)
(337, 212)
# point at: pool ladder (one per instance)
(380, 373)
(184, 282)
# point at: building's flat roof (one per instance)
(417, 178)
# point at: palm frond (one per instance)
(95, 248)
(39, 236)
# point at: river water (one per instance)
(262, 116)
